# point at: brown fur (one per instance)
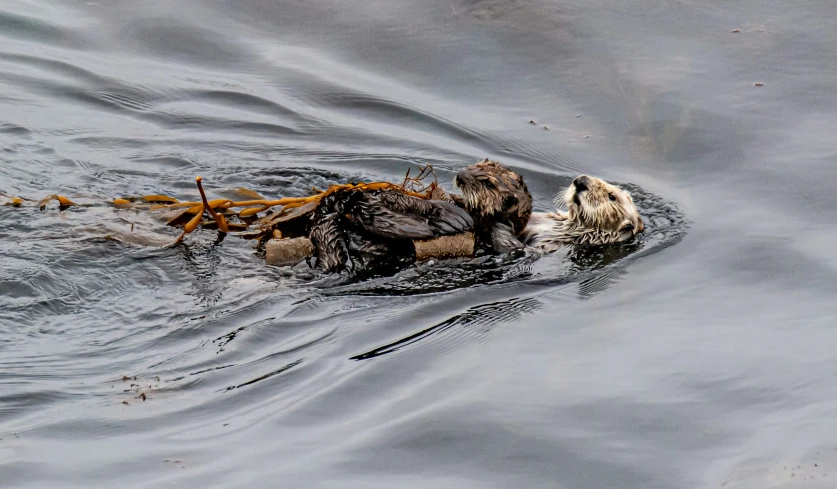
(489, 189)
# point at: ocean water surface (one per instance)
(700, 356)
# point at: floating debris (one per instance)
(63, 202)
(13, 201)
(293, 208)
(159, 199)
(253, 219)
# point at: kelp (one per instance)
(249, 225)
(11, 201)
(63, 202)
(254, 218)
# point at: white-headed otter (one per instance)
(501, 206)
(597, 213)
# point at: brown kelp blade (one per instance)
(286, 214)
(246, 193)
(8, 200)
(63, 202)
(159, 199)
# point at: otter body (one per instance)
(371, 231)
(499, 203)
(501, 206)
(597, 213)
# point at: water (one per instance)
(702, 357)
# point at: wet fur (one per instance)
(499, 203)
(368, 231)
(597, 213)
(374, 230)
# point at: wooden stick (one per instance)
(288, 252)
(453, 246)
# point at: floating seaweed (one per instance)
(63, 202)
(287, 222)
(257, 217)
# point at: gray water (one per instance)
(703, 357)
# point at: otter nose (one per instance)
(462, 178)
(581, 183)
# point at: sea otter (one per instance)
(499, 203)
(372, 231)
(501, 206)
(597, 213)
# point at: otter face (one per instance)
(484, 186)
(491, 189)
(596, 204)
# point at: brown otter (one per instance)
(371, 231)
(499, 203)
(597, 213)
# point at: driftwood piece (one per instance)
(453, 246)
(285, 252)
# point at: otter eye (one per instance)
(612, 197)
(627, 228)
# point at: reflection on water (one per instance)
(480, 317)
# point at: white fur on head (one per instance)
(597, 213)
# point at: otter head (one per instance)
(491, 189)
(484, 186)
(595, 204)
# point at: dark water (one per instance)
(702, 357)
